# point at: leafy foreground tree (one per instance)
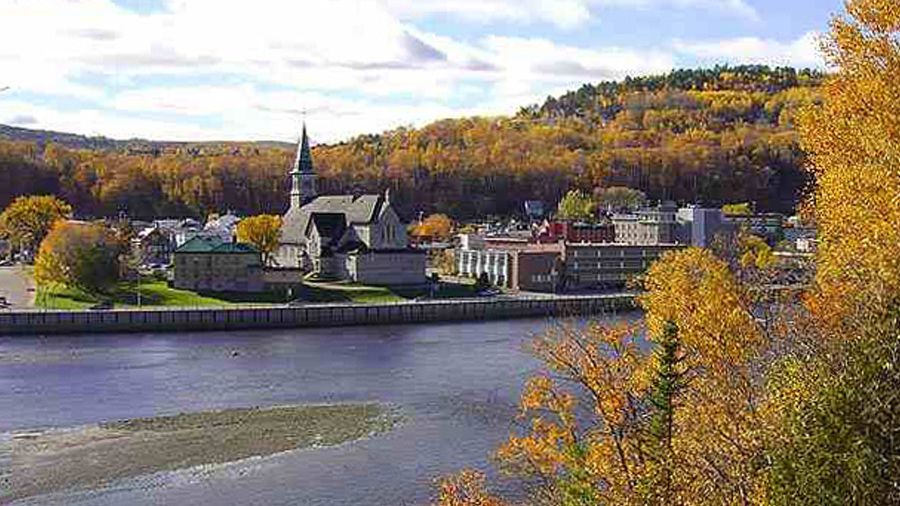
(756, 399)
(263, 232)
(29, 219)
(81, 256)
(838, 392)
(610, 423)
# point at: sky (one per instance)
(252, 70)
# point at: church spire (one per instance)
(303, 163)
(303, 175)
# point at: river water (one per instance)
(456, 384)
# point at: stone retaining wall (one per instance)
(320, 315)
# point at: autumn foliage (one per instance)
(438, 226)
(714, 136)
(747, 395)
(263, 232)
(79, 255)
(29, 219)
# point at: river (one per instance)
(456, 384)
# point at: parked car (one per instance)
(6, 262)
(4, 303)
(102, 306)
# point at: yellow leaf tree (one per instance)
(30, 218)
(263, 232)
(853, 140)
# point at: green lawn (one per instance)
(154, 293)
(157, 293)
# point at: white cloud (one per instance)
(803, 52)
(352, 61)
(562, 13)
(357, 65)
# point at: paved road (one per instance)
(16, 286)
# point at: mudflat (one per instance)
(95, 456)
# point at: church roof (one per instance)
(355, 210)
(331, 225)
(303, 163)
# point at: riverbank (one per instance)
(312, 315)
(95, 456)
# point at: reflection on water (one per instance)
(456, 383)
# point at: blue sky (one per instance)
(236, 70)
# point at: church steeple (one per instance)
(303, 175)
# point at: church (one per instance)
(355, 238)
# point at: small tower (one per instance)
(303, 176)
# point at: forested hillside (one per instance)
(710, 136)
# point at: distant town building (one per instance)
(534, 267)
(609, 265)
(210, 264)
(699, 227)
(557, 266)
(555, 231)
(692, 225)
(154, 246)
(647, 226)
(356, 238)
(767, 225)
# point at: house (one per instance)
(356, 238)
(153, 246)
(210, 264)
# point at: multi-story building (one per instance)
(567, 231)
(667, 224)
(647, 226)
(608, 265)
(560, 266)
(209, 264)
(699, 227)
(532, 267)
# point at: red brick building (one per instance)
(567, 231)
